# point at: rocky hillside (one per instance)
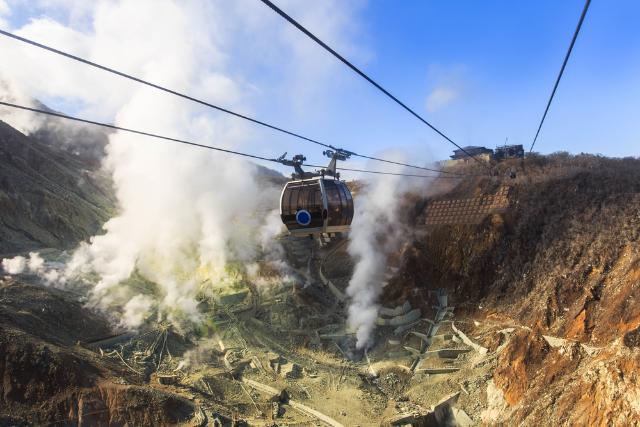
(85, 142)
(562, 261)
(48, 378)
(549, 287)
(564, 257)
(50, 195)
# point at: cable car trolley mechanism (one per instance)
(316, 203)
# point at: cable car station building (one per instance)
(502, 152)
(459, 156)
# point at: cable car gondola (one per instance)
(318, 203)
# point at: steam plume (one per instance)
(376, 232)
(185, 216)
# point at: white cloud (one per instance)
(4, 13)
(448, 84)
(441, 97)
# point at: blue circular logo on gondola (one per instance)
(303, 217)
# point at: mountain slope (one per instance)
(564, 257)
(562, 262)
(48, 197)
(48, 378)
(550, 287)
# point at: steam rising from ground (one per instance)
(15, 265)
(188, 219)
(377, 231)
(185, 214)
(20, 264)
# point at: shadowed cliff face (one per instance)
(49, 197)
(49, 379)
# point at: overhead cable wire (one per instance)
(158, 87)
(182, 141)
(564, 64)
(138, 132)
(201, 102)
(396, 173)
(362, 74)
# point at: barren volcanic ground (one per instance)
(527, 316)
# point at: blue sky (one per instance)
(506, 56)
(479, 71)
(500, 59)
